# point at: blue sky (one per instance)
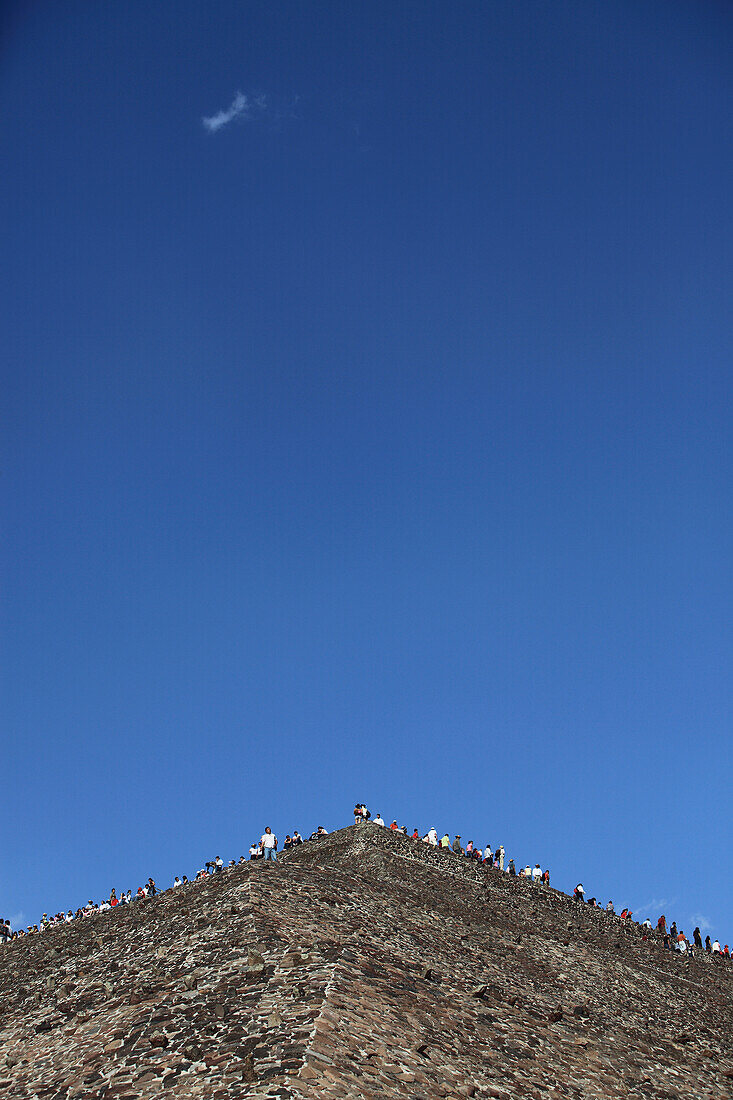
(369, 440)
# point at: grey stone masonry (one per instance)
(361, 965)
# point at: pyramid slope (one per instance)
(362, 965)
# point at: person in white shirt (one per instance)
(176, 881)
(255, 852)
(433, 836)
(378, 820)
(647, 923)
(268, 843)
(219, 863)
(536, 873)
(716, 947)
(500, 853)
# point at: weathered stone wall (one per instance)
(362, 965)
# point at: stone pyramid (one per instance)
(362, 965)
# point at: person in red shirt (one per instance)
(662, 924)
(394, 826)
(415, 835)
(113, 899)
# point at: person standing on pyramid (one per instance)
(268, 843)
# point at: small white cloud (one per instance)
(252, 108)
(702, 922)
(655, 905)
(17, 920)
(239, 108)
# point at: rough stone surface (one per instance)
(361, 965)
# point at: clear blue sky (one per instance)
(369, 440)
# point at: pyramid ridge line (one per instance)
(414, 973)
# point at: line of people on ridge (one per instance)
(488, 856)
(266, 849)
(674, 940)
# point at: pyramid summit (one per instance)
(362, 964)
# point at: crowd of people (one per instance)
(495, 859)
(266, 849)
(266, 846)
(673, 940)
